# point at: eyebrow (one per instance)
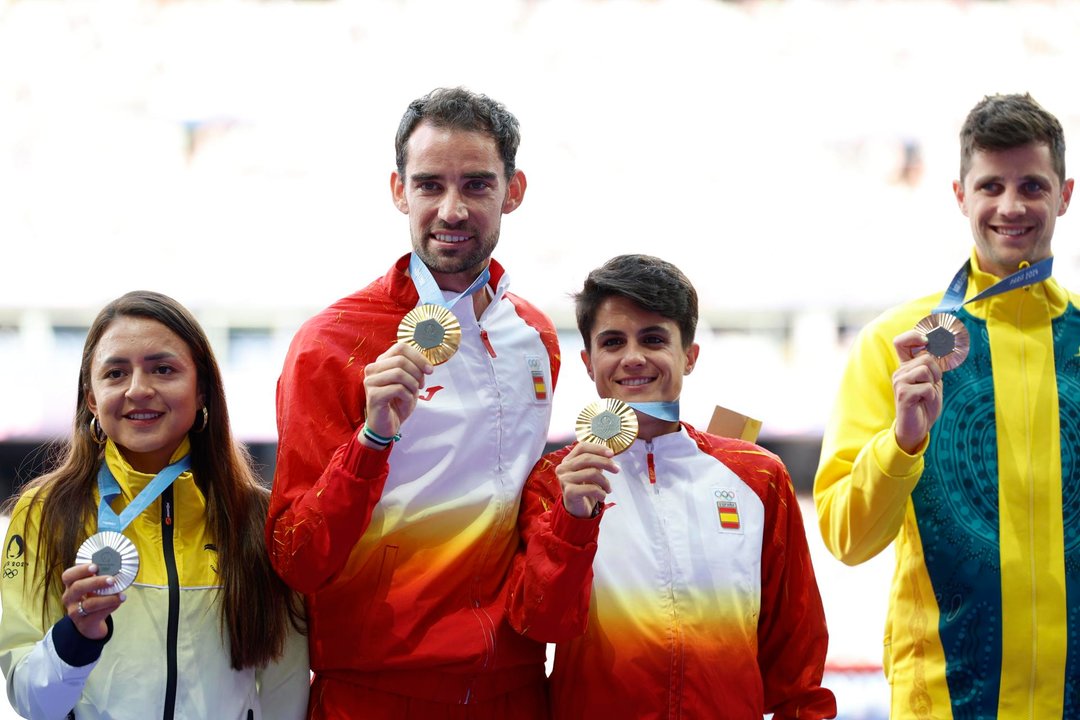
(983, 179)
(476, 175)
(117, 360)
(641, 331)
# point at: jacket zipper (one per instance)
(651, 464)
(487, 342)
(675, 668)
(173, 627)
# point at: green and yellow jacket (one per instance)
(984, 611)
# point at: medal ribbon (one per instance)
(109, 488)
(428, 289)
(953, 299)
(662, 410)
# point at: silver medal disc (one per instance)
(114, 555)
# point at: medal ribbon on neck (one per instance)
(953, 299)
(428, 289)
(109, 488)
(661, 410)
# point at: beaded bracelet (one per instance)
(378, 439)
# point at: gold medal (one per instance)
(433, 330)
(946, 339)
(608, 422)
(114, 555)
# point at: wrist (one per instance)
(375, 439)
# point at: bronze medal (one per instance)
(946, 339)
(433, 330)
(115, 555)
(608, 422)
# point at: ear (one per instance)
(958, 191)
(91, 401)
(397, 190)
(1066, 195)
(585, 358)
(691, 358)
(515, 192)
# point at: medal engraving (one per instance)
(433, 330)
(946, 339)
(107, 560)
(940, 342)
(429, 334)
(606, 425)
(608, 422)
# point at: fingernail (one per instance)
(92, 568)
(109, 580)
(123, 597)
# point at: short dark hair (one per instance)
(651, 283)
(1003, 122)
(461, 109)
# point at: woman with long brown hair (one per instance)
(136, 580)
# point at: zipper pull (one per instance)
(487, 342)
(651, 465)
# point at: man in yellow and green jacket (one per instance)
(974, 470)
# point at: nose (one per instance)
(633, 357)
(452, 209)
(1012, 204)
(140, 386)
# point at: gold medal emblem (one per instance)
(433, 330)
(114, 555)
(608, 422)
(946, 339)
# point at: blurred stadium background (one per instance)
(793, 157)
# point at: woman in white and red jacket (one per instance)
(674, 576)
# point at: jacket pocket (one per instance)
(378, 614)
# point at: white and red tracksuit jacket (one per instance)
(403, 554)
(701, 600)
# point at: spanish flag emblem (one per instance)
(729, 514)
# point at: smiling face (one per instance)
(636, 355)
(144, 390)
(455, 193)
(1012, 199)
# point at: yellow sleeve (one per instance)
(21, 625)
(864, 480)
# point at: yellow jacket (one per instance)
(985, 517)
(131, 677)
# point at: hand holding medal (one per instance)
(611, 425)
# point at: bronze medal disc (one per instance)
(946, 339)
(433, 330)
(115, 555)
(608, 422)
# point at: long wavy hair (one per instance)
(256, 606)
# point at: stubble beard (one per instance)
(454, 263)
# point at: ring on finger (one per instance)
(81, 610)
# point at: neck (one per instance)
(458, 281)
(650, 427)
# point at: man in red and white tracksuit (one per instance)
(398, 481)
